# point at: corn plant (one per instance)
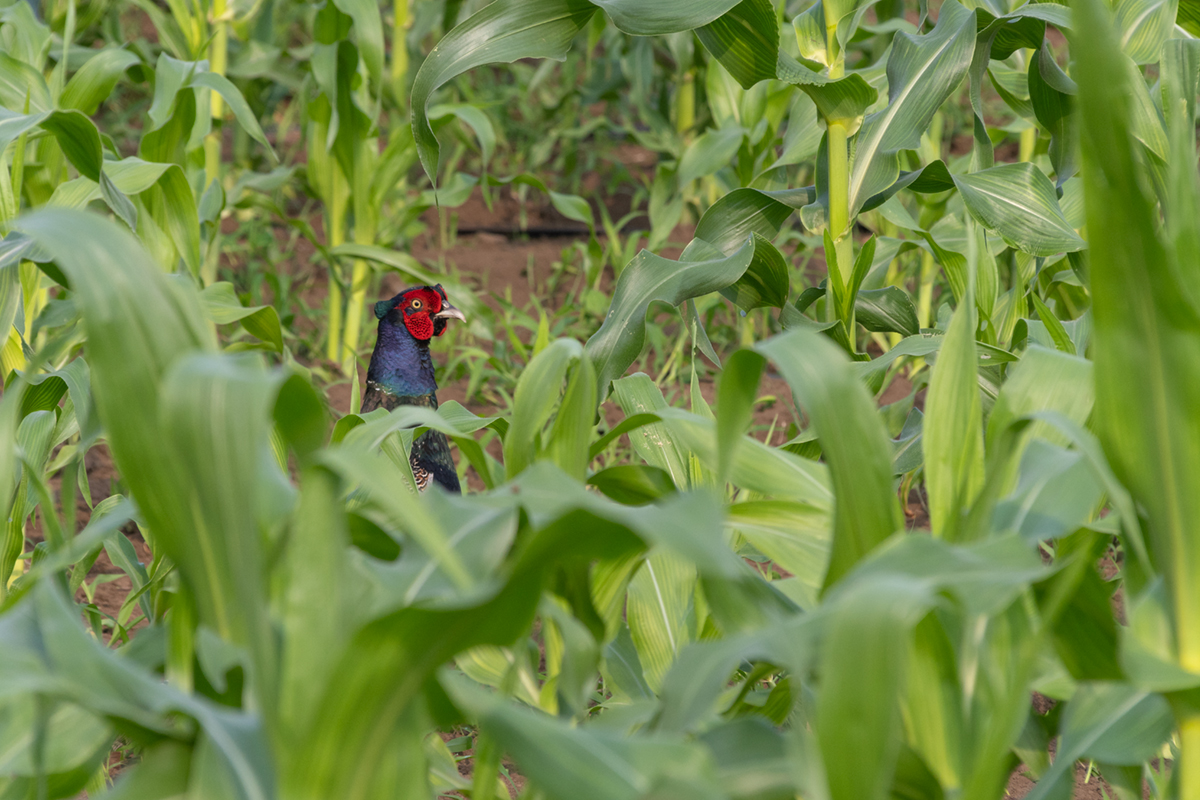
(661, 603)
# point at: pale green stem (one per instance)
(218, 57)
(336, 235)
(365, 224)
(685, 103)
(400, 27)
(925, 292)
(1189, 756)
(59, 78)
(837, 137)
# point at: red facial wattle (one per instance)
(417, 308)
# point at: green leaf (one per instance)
(476, 119)
(1143, 26)
(861, 680)
(180, 426)
(223, 307)
(118, 202)
(844, 100)
(1146, 344)
(738, 390)
(656, 608)
(45, 645)
(853, 442)
(1056, 113)
(79, 139)
(640, 398)
(887, 310)
(1043, 380)
(19, 80)
(632, 484)
(648, 278)
(711, 151)
(536, 395)
(1018, 202)
(745, 40)
(1055, 327)
(922, 72)
(953, 430)
(504, 31)
(567, 445)
(95, 80)
(568, 761)
(655, 17)
(368, 29)
(237, 104)
(796, 536)
(1108, 722)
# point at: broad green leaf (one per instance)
(844, 100)
(739, 213)
(120, 204)
(1018, 202)
(223, 307)
(237, 104)
(922, 72)
(637, 395)
(570, 526)
(657, 609)
(368, 30)
(503, 31)
(770, 471)
(1188, 16)
(648, 278)
(567, 445)
(998, 38)
(953, 430)
(1143, 26)
(189, 434)
(1056, 494)
(745, 40)
(1044, 380)
(861, 680)
(568, 761)
(77, 135)
(536, 395)
(19, 80)
(1108, 722)
(94, 82)
(853, 442)
(796, 536)
(46, 650)
(632, 484)
(315, 612)
(655, 17)
(476, 119)
(888, 310)
(809, 27)
(1056, 113)
(165, 194)
(1147, 336)
(1179, 71)
(735, 406)
(765, 282)
(713, 150)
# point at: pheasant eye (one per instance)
(416, 303)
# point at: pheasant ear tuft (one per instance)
(382, 308)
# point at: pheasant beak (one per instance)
(450, 312)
